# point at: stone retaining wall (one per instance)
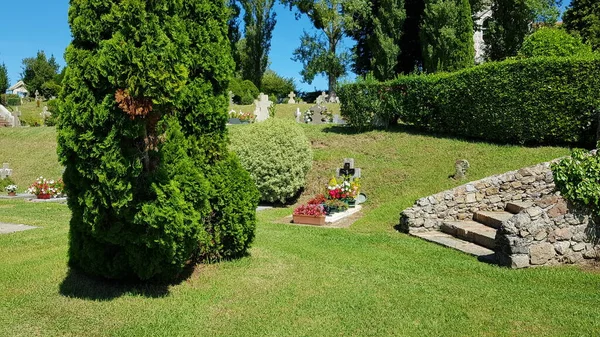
(550, 232)
(488, 194)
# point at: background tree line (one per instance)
(394, 37)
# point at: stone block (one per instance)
(495, 199)
(574, 257)
(578, 247)
(541, 253)
(519, 261)
(471, 198)
(563, 233)
(562, 247)
(534, 211)
(516, 184)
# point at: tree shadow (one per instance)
(79, 285)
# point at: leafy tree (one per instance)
(548, 41)
(39, 70)
(411, 56)
(378, 32)
(259, 21)
(142, 136)
(447, 35)
(4, 80)
(276, 85)
(583, 18)
(321, 54)
(512, 21)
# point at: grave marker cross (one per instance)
(349, 171)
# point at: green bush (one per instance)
(277, 154)
(245, 92)
(142, 135)
(553, 42)
(10, 100)
(276, 86)
(529, 101)
(577, 178)
(5, 182)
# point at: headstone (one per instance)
(461, 167)
(38, 98)
(333, 99)
(337, 119)
(45, 113)
(298, 114)
(348, 170)
(318, 115)
(5, 171)
(292, 96)
(262, 107)
(322, 99)
(231, 95)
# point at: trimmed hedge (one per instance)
(530, 101)
(277, 154)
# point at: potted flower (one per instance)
(310, 215)
(334, 206)
(246, 117)
(46, 189)
(12, 190)
(319, 199)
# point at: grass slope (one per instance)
(368, 280)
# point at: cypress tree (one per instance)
(447, 35)
(143, 139)
(583, 18)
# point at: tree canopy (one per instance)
(583, 18)
(38, 70)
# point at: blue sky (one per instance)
(42, 25)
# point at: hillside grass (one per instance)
(367, 280)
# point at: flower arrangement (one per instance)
(317, 200)
(335, 205)
(308, 116)
(242, 116)
(339, 191)
(11, 189)
(310, 210)
(46, 189)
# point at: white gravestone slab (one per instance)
(5, 171)
(292, 95)
(262, 107)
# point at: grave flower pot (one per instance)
(44, 196)
(12, 194)
(351, 203)
(310, 220)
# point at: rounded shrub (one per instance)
(553, 42)
(277, 154)
(244, 91)
(142, 135)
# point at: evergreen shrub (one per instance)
(244, 91)
(277, 154)
(553, 42)
(142, 135)
(530, 101)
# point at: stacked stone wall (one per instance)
(488, 194)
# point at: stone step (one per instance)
(447, 240)
(516, 207)
(471, 231)
(492, 219)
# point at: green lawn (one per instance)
(368, 280)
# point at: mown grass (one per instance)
(368, 280)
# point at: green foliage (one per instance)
(5, 182)
(531, 101)
(54, 110)
(259, 22)
(553, 42)
(577, 178)
(4, 80)
(10, 100)
(377, 30)
(276, 86)
(447, 36)
(583, 18)
(278, 156)
(245, 92)
(39, 70)
(512, 21)
(50, 89)
(146, 194)
(233, 32)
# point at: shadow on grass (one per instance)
(79, 285)
(417, 131)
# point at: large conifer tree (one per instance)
(142, 136)
(583, 18)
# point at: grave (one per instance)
(348, 170)
(262, 107)
(317, 115)
(230, 94)
(45, 114)
(338, 120)
(322, 99)
(292, 95)
(461, 167)
(5, 171)
(298, 114)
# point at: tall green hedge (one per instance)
(530, 101)
(142, 135)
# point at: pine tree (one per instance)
(143, 139)
(4, 81)
(447, 35)
(583, 18)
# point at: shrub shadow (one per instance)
(79, 285)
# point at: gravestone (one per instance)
(461, 167)
(318, 115)
(298, 114)
(17, 117)
(334, 99)
(5, 171)
(38, 98)
(322, 99)
(337, 119)
(262, 107)
(292, 96)
(45, 114)
(231, 95)
(348, 170)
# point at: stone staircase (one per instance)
(476, 237)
